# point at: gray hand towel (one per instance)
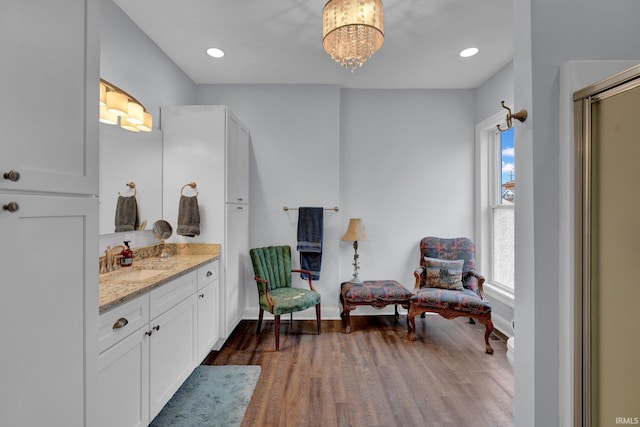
(310, 235)
(188, 217)
(126, 214)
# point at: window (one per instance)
(502, 210)
(495, 207)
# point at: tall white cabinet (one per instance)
(49, 212)
(208, 145)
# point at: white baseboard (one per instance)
(333, 313)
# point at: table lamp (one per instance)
(355, 232)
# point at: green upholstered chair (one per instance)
(272, 268)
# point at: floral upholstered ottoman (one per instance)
(375, 293)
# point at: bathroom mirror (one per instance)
(126, 157)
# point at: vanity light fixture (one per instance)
(117, 106)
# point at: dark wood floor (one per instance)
(374, 376)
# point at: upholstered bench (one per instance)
(374, 293)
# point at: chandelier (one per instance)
(116, 103)
(352, 30)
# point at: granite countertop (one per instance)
(122, 285)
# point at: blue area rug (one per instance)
(211, 396)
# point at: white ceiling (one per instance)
(280, 41)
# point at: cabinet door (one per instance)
(124, 382)
(208, 315)
(172, 352)
(236, 254)
(49, 104)
(48, 309)
(237, 152)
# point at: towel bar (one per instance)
(286, 208)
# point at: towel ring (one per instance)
(192, 185)
(131, 185)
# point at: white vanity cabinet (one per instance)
(208, 145)
(208, 308)
(49, 212)
(172, 352)
(124, 365)
(151, 344)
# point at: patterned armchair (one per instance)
(272, 268)
(447, 284)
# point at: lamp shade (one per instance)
(107, 117)
(103, 95)
(355, 231)
(146, 123)
(117, 103)
(134, 113)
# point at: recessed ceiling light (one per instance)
(469, 52)
(215, 52)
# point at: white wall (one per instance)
(294, 161)
(498, 87)
(131, 61)
(549, 34)
(400, 159)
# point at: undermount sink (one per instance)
(137, 274)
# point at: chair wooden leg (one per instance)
(260, 314)
(318, 318)
(277, 331)
(411, 326)
(488, 329)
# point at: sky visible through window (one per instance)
(508, 169)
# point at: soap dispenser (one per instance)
(126, 256)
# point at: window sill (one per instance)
(499, 293)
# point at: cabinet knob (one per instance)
(240, 199)
(148, 333)
(120, 323)
(201, 295)
(209, 274)
(11, 207)
(156, 328)
(12, 175)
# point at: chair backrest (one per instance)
(272, 263)
(451, 249)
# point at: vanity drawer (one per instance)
(166, 296)
(208, 273)
(120, 322)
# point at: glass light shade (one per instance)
(146, 122)
(355, 231)
(106, 117)
(352, 30)
(103, 95)
(134, 113)
(128, 126)
(117, 103)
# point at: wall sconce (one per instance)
(117, 105)
(521, 116)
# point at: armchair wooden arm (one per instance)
(308, 273)
(419, 271)
(264, 283)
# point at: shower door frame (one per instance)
(583, 100)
